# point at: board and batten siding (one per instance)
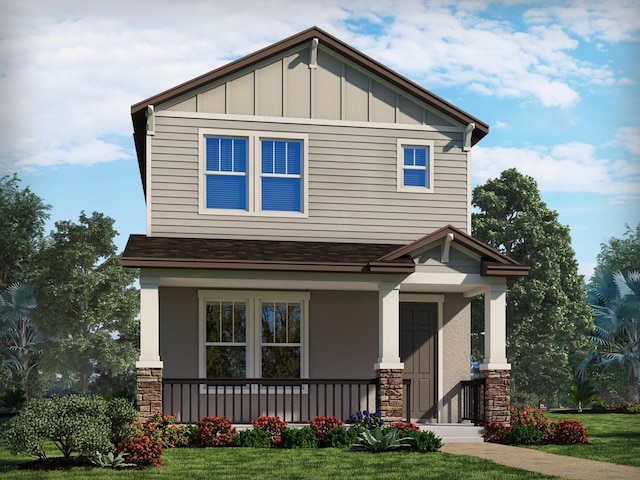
(352, 185)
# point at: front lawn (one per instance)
(614, 437)
(250, 463)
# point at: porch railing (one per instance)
(472, 400)
(244, 400)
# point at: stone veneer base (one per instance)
(497, 396)
(390, 396)
(149, 392)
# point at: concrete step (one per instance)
(455, 432)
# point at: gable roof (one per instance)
(138, 110)
(493, 263)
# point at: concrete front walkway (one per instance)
(542, 462)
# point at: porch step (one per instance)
(455, 432)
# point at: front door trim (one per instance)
(439, 300)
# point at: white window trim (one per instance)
(254, 170)
(411, 142)
(253, 299)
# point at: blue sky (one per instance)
(557, 81)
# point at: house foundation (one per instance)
(390, 397)
(149, 392)
(497, 397)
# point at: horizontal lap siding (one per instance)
(352, 186)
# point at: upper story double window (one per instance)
(253, 172)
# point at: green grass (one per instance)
(249, 463)
(614, 437)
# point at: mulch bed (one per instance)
(56, 463)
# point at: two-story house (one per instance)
(308, 246)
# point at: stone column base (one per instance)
(148, 392)
(390, 395)
(497, 396)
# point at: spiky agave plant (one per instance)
(381, 440)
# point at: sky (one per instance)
(558, 82)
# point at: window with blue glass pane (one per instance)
(281, 175)
(226, 173)
(415, 166)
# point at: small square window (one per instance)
(415, 166)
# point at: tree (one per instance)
(546, 309)
(20, 337)
(22, 218)
(88, 305)
(621, 254)
(615, 300)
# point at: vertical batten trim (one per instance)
(343, 88)
(370, 101)
(284, 65)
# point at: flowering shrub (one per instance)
(599, 405)
(530, 426)
(494, 432)
(404, 427)
(567, 432)
(144, 451)
(215, 432)
(169, 434)
(273, 426)
(321, 427)
(530, 416)
(365, 419)
(625, 407)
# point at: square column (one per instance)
(390, 396)
(149, 365)
(495, 370)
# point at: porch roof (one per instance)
(207, 253)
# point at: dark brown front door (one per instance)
(418, 352)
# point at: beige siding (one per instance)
(286, 86)
(352, 186)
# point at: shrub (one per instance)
(522, 435)
(404, 427)
(625, 407)
(321, 427)
(424, 442)
(341, 437)
(170, 435)
(599, 405)
(108, 460)
(532, 417)
(494, 432)
(142, 450)
(253, 437)
(299, 438)
(215, 432)
(569, 432)
(273, 426)
(381, 440)
(13, 399)
(365, 419)
(77, 423)
(581, 393)
(121, 414)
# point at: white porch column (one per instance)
(389, 327)
(495, 329)
(149, 324)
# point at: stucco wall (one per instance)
(179, 332)
(456, 355)
(343, 334)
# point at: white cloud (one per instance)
(629, 139)
(69, 72)
(569, 167)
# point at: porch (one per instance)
(293, 400)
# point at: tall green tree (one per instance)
(615, 300)
(21, 339)
(621, 254)
(546, 310)
(22, 218)
(87, 301)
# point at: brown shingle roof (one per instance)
(170, 252)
